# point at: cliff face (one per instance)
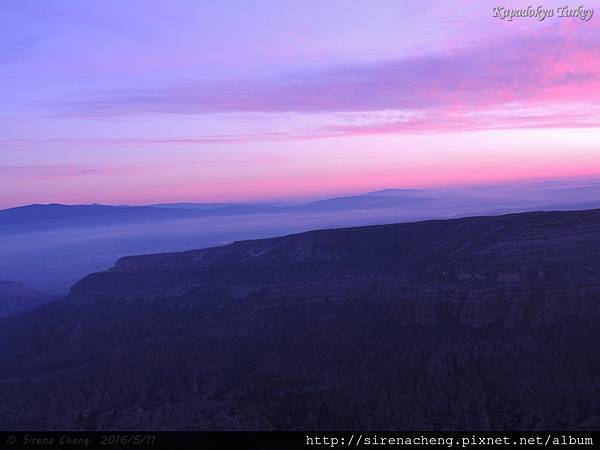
(477, 323)
(480, 270)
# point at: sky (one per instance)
(146, 101)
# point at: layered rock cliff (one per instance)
(480, 269)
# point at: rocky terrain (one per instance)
(15, 297)
(476, 323)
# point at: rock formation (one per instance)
(476, 323)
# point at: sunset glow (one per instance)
(140, 102)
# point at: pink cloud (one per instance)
(561, 66)
(46, 172)
(462, 119)
(546, 80)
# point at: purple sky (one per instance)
(155, 101)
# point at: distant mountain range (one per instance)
(55, 216)
(15, 297)
(414, 203)
(50, 247)
(52, 216)
(479, 323)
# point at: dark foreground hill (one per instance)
(475, 323)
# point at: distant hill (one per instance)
(50, 247)
(380, 200)
(15, 297)
(394, 192)
(44, 217)
(220, 207)
(53, 216)
(479, 323)
(208, 206)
